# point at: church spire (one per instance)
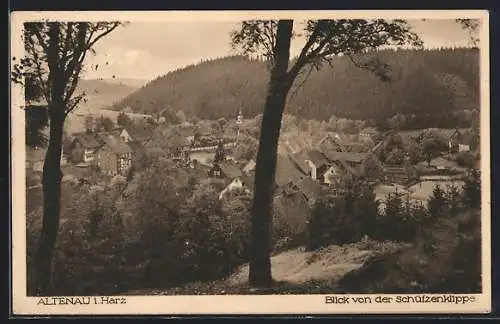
(239, 119)
(239, 122)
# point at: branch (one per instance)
(73, 103)
(109, 30)
(302, 59)
(40, 39)
(296, 90)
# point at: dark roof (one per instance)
(347, 167)
(345, 156)
(140, 132)
(169, 137)
(286, 171)
(90, 141)
(317, 158)
(202, 129)
(300, 160)
(186, 131)
(249, 180)
(467, 137)
(230, 169)
(199, 171)
(250, 166)
(310, 188)
(117, 145)
(103, 136)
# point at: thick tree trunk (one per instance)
(279, 85)
(51, 205)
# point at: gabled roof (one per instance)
(199, 171)
(186, 131)
(230, 169)
(286, 171)
(250, 166)
(353, 157)
(310, 188)
(347, 167)
(317, 158)
(169, 137)
(116, 145)
(249, 180)
(103, 136)
(140, 132)
(467, 137)
(202, 129)
(88, 141)
(300, 160)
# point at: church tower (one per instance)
(239, 122)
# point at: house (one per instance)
(318, 164)
(397, 175)
(454, 141)
(468, 141)
(310, 189)
(225, 170)
(333, 175)
(249, 167)
(84, 147)
(354, 159)
(369, 133)
(350, 145)
(287, 172)
(141, 134)
(125, 136)
(198, 170)
(203, 136)
(171, 141)
(187, 131)
(440, 163)
(114, 157)
(331, 142)
(232, 175)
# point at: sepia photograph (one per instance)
(250, 162)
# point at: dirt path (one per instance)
(330, 263)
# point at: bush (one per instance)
(400, 219)
(472, 189)
(178, 232)
(466, 160)
(342, 219)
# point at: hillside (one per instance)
(99, 95)
(423, 82)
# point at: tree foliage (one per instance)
(54, 57)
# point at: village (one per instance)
(306, 165)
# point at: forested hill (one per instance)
(423, 82)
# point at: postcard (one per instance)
(250, 162)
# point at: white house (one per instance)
(249, 167)
(125, 136)
(237, 183)
(332, 174)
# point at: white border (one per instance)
(235, 304)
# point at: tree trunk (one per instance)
(261, 213)
(51, 205)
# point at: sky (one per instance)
(142, 50)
